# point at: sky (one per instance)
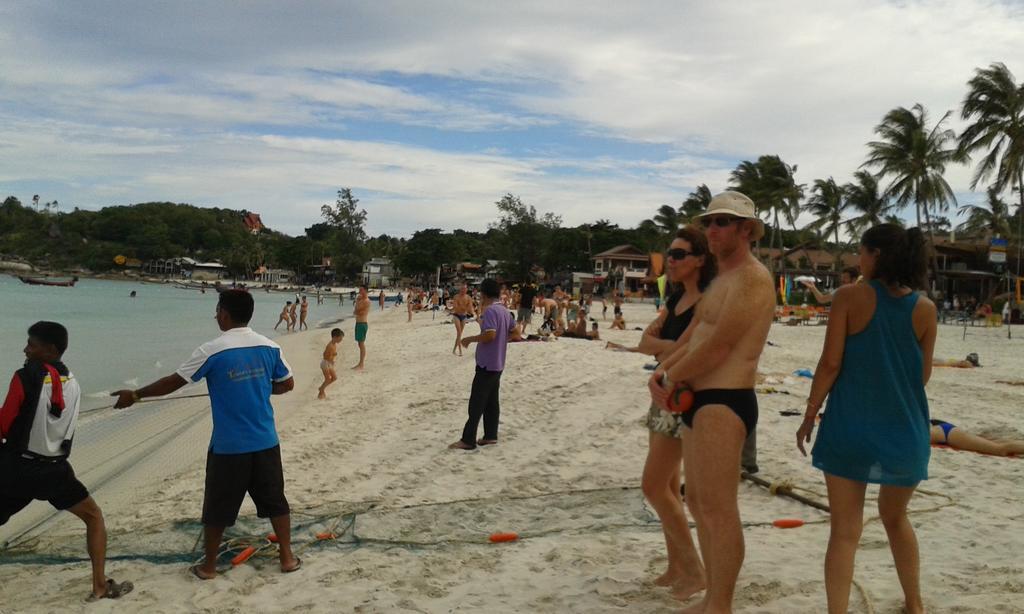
(432, 111)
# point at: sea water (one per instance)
(116, 341)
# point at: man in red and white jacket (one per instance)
(37, 425)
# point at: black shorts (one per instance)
(23, 480)
(742, 402)
(230, 476)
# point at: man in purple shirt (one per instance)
(496, 324)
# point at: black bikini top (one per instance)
(675, 325)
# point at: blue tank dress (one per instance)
(875, 427)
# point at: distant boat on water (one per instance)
(45, 281)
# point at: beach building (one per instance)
(625, 265)
(206, 271)
(492, 269)
(266, 275)
(378, 273)
(252, 222)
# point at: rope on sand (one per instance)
(785, 488)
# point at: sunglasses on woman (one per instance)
(679, 253)
(719, 220)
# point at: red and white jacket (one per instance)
(40, 413)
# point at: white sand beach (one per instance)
(565, 476)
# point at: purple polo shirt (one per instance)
(491, 356)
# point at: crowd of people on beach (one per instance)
(867, 401)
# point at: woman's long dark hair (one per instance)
(902, 255)
(699, 244)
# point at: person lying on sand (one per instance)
(618, 347)
(967, 363)
(955, 437)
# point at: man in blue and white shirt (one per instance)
(242, 369)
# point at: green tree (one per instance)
(995, 107)
(523, 235)
(828, 204)
(428, 249)
(348, 236)
(914, 157)
(695, 204)
(864, 196)
(987, 220)
(770, 183)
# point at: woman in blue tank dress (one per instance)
(874, 366)
(690, 268)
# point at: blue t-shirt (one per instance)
(240, 368)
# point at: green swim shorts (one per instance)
(361, 328)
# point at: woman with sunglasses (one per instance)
(690, 268)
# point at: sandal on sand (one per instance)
(298, 566)
(114, 591)
(461, 445)
(486, 442)
(196, 571)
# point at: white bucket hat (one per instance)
(736, 205)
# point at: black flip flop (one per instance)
(298, 566)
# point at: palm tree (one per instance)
(914, 157)
(996, 104)
(828, 203)
(695, 204)
(989, 219)
(664, 225)
(667, 218)
(770, 183)
(864, 195)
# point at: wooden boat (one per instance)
(45, 281)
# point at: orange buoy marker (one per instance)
(497, 538)
(788, 523)
(680, 399)
(272, 538)
(325, 535)
(243, 556)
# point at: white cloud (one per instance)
(143, 101)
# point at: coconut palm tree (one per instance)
(828, 203)
(667, 218)
(995, 105)
(988, 220)
(664, 225)
(864, 196)
(770, 183)
(695, 204)
(914, 158)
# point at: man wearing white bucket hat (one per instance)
(717, 359)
